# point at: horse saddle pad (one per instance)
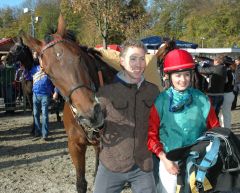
(211, 164)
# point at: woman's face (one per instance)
(181, 80)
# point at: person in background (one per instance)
(237, 82)
(178, 117)
(124, 157)
(2, 63)
(2, 66)
(42, 92)
(57, 102)
(228, 94)
(7, 83)
(217, 78)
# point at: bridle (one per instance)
(87, 130)
(90, 87)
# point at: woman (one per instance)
(178, 117)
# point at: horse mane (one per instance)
(166, 47)
(91, 52)
(71, 36)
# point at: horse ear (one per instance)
(31, 42)
(61, 26)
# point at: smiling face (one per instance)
(134, 63)
(181, 80)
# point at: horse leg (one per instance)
(77, 152)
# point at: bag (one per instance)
(212, 164)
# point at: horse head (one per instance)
(62, 59)
(20, 52)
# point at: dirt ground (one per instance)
(28, 165)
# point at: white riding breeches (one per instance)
(168, 181)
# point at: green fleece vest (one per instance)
(178, 129)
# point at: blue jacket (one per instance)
(42, 85)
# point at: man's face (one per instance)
(237, 62)
(134, 63)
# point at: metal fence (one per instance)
(11, 95)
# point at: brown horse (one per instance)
(77, 72)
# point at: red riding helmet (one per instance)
(178, 60)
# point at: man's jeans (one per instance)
(41, 102)
(107, 181)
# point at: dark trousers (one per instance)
(234, 104)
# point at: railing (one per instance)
(11, 95)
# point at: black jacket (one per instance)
(229, 85)
(217, 78)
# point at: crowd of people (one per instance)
(142, 124)
(221, 80)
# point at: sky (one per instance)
(14, 3)
(10, 3)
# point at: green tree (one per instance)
(115, 20)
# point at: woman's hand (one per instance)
(170, 166)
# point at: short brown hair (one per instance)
(131, 43)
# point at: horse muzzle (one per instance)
(95, 120)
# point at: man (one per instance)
(2, 63)
(124, 157)
(217, 78)
(237, 82)
(42, 91)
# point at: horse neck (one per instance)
(93, 68)
(98, 68)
